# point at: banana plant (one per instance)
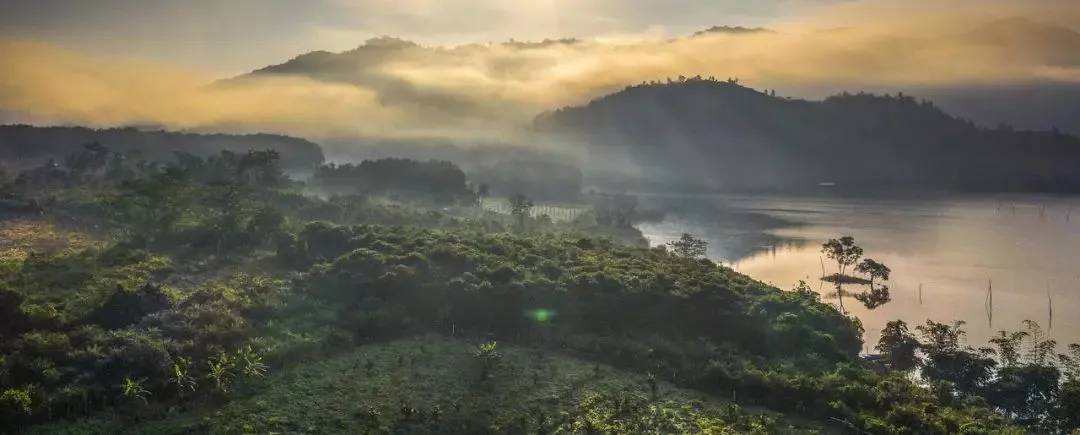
(134, 391)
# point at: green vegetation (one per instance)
(719, 135)
(535, 393)
(1020, 375)
(437, 182)
(27, 146)
(688, 247)
(214, 298)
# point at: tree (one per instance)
(877, 296)
(948, 360)
(898, 346)
(87, 162)
(1026, 391)
(488, 356)
(153, 205)
(225, 199)
(482, 192)
(134, 391)
(220, 372)
(15, 404)
(520, 207)
(1069, 405)
(182, 379)
(261, 168)
(15, 320)
(1008, 347)
(689, 247)
(249, 362)
(845, 253)
(266, 225)
(1040, 348)
(873, 269)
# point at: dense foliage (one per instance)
(1019, 374)
(439, 181)
(210, 276)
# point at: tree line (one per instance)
(439, 181)
(29, 146)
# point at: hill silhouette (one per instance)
(730, 137)
(24, 145)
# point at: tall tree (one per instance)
(261, 168)
(226, 201)
(482, 192)
(947, 359)
(898, 346)
(689, 247)
(845, 253)
(878, 295)
(153, 205)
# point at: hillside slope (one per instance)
(430, 385)
(736, 138)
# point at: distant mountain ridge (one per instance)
(1016, 38)
(730, 137)
(22, 145)
(1022, 34)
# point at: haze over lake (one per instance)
(1026, 246)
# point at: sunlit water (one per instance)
(1026, 248)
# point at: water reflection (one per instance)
(1026, 248)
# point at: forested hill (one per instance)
(736, 138)
(23, 145)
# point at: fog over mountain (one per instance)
(959, 54)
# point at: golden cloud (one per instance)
(494, 89)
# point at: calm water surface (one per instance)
(1027, 248)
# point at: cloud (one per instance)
(388, 87)
(49, 83)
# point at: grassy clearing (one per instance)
(19, 237)
(404, 384)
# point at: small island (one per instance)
(837, 278)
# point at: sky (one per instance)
(157, 62)
(235, 36)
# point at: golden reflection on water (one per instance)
(1027, 247)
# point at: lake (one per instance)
(1026, 247)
